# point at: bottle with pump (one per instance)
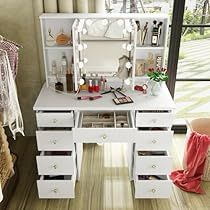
(64, 64)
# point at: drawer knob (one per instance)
(55, 166)
(154, 166)
(154, 120)
(54, 141)
(55, 120)
(55, 190)
(153, 190)
(154, 141)
(104, 136)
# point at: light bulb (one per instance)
(81, 81)
(124, 31)
(89, 22)
(85, 60)
(84, 30)
(79, 29)
(120, 22)
(124, 45)
(129, 29)
(80, 47)
(105, 22)
(84, 46)
(81, 64)
(128, 65)
(129, 47)
(127, 81)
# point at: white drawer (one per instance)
(152, 188)
(54, 140)
(55, 119)
(104, 127)
(49, 164)
(154, 119)
(154, 140)
(152, 163)
(64, 188)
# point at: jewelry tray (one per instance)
(105, 120)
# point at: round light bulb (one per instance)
(127, 81)
(129, 29)
(79, 28)
(84, 46)
(128, 65)
(105, 22)
(124, 31)
(85, 60)
(124, 45)
(81, 64)
(89, 22)
(129, 47)
(84, 30)
(120, 22)
(81, 81)
(80, 47)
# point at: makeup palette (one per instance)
(122, 100)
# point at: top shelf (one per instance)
(105, 15)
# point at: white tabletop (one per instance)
(49, 99)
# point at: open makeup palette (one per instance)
(105, 120)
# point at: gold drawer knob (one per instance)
(154, 166)
(153, 190)
(55, 190)
(154, 141)
(55, 121)
(104, 136)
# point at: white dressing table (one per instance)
(65, 123)
(60, 129)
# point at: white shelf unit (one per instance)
(66, 22)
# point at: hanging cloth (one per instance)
(12, 49)
(9, 103)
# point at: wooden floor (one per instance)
(104, 183)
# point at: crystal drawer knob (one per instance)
(154, 120)
(154, 141)
(55, 190)
(153, 190)
(54, 141)
(55, 166)
(154, 166)
(55, 120)
(104, 136)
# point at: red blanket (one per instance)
(189, 179)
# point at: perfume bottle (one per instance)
(69, 80)
(62, 39)
(154, 40)
(64, 64)
(84, 85)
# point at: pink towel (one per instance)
(189, 179)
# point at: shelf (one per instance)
(149, 48)
(59, 48)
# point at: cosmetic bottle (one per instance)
(54, 68)
(69, 80)
(90, 86)
(64, 64)
(154, 38)
(102, 84)
(96, 86)
(84, 85)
